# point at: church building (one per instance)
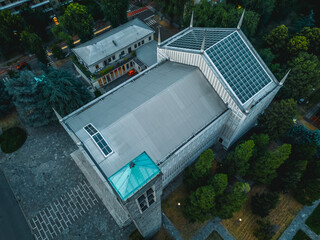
(209, 85)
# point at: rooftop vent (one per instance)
(114, 42)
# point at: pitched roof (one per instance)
(134, 175)
(231, 56)
(112, 41)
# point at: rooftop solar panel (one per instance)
(98, 139)
(193, 39)
(239, 67)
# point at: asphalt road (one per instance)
(13, 225)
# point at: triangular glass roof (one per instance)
(134, 175)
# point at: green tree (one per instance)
(219, 183)
(61, 34)
(308, 191)
(267, 56)
(262, 7)
(77, 20)
(25, 97)
(290, 173)
(265, 230)
(313, 35)
(278, 118)
(34, 44)
(232, 201)
(304, 77)
(115, 11)
(37, 21)
(61, 91)
(298, 44)
(264, 169)
(223, 15)
(277, 39)
(305, 21)
(174, 8)
(10, 27)
(201, 204)
(237, 162)
(197, 174)
(57, 52)
(6, 104)
(261, 204)
(261, 142)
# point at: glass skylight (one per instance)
(193, 39)
(98, 139)
(239, 67)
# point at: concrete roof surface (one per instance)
(148, 53)
(112, 41)
(155, 114)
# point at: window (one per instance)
(113, 57)
(135, 46)
(142, 42)
(146, 199)
(97, 66)
(149, 38)
(109, 59)
(139, 44)
(122, 53)
(220, 140)
(105, 62)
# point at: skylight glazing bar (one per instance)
(98, 139)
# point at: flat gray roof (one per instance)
(148, 53)
(112, 41)
(155, 113)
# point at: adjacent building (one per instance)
(44, 5)
(209, 85)
(114, 53)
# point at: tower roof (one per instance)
(134, 175)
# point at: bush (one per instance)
(57, 52)
(314, 220)
(105, 71)
(12, 139)
(263, 203)
(97, 93)
(300, 235)
(264, 231)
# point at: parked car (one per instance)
(21, 65)
(132, 72)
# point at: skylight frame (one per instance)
(97, 133)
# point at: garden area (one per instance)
(300, 235)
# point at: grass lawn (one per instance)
(174, 213)
(300, 235)
(282, 215)
(214, 236)
(313, 220)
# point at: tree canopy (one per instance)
(35, 96)
(304, 77)
(261, 204)
(6, 104)
(298, 44)
(264, 169)
(278, 118)
(237, 162)
(34, 44)
(115, 11)
(313, 36)
(277, 39)
(219, 182)
(77, 20)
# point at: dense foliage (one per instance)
(6, 104)
(35, 96)
(77, 20)
(115, 11)
(278, 118)
(237, 162)
(12, 139)
(34, 44)
(262, 204)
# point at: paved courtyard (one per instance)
(55, 197)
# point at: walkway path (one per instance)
(59, 215)
(170, 228)
(213, 225)
(299, 223)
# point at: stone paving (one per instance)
(42, 173)
(51, 221)
(299, 223)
